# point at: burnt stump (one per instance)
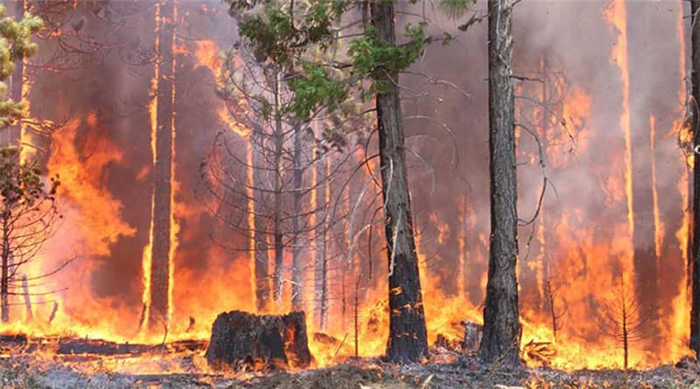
(244, 340)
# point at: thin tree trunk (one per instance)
(5, 280)
(321, 228)
(15, 131)
(297, 281)
(625, 336)
(695, 258)
(277, 219)
(27, 297)
(501, 338)
(262, 277)
(160, 266)
(407, 331)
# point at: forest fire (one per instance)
(224, 209)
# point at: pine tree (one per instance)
(27, 210)
(501, 338)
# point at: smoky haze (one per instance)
(582, 241)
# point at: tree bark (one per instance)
(261, 342)
(262, 280)
(163, 171)
(407, 331)
(501, 337)
(277, 218)
(5, 277)
(695, 258)
(297, 271)
(321, 265)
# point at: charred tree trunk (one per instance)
(321, 229)
(643, 237)
(297, 273)
(15, 131)
(407, 332)
(695, 258)
(27, 298)
(239, 339)
(277, 218)
(5, 280)
(262, 279)
(501, 339)
(163, 171)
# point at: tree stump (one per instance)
(243, 340)
(472, 336)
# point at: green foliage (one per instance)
(276, 36)
(286, 39)
(455, 9)
(315, 87)
(15, 45)
(376, 59)
(21, 184)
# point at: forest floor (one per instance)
(465, 372)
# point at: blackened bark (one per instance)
(162, 195)
(695, 258)
(407, 332)
(239, 339)
(27, 299)
(297, 271)
(277, 218)
(501, 339)
(262, 277)
(15, 131)
(5, 280)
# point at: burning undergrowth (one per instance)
(617, 191)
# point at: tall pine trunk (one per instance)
(297, 271)
(501, 337)
(320, 232)
(262, 277)
(6, 253)
(277, 218)
(162, 197)
(695, 257)
(407, 332)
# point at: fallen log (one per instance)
(81, 346)
(243, 340)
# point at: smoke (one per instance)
(582, 239)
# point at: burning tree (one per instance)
(367, 68)
(501, 339)
(163, 133)
(623, 319)
(27, 218)
(28, 212)
(277, 191)
(694, 258)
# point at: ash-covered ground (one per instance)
(464, 372)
